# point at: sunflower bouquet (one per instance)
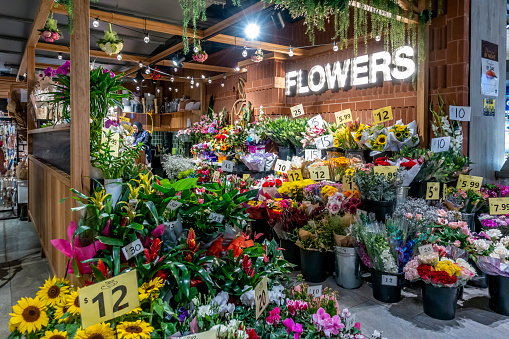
(402, 135)
(377, 140)
(360, 133)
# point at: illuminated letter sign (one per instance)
(359, 71)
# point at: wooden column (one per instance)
(422, 90)
(31, 116)
(80, 98)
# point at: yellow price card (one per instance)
(433, 191)
(344, 116)
(124, 119)
(319, 173)
(348, 184)
(294, 175)
(246, 176)
(388, 171)
(499, 206)
(109, 299)
(382, 114)
(466, 182)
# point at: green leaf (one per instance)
(152, 208)
(99, 276)
(75, 267)
(110, 241)
(116, 260)
(185, 184)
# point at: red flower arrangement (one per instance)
(383, 161)
(408, 164)
(442, 277)
(155, 74)
(424, 271)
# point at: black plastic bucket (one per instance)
(439, 302)
(498, 286)
(381, 209)
(285, 153)
(313, 265)
(386, 286)
(291, 253)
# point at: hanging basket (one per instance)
(110, 43)
(200, 56)
(50, 31)
(257, 56)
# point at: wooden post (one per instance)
(31, 116)
(80, 99)
(423, 90)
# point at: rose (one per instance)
(424, 271)
(418, 217)
(409, 215)
(442, 213)
(465, 230)
(55, 35)
(46, 34)
(457, 243)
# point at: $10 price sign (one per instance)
(315, 291)
(261, 297)
(109, 299)
(466, 182)
(282, 165)
(499, 206)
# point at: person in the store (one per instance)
(2, 160)
(142, 135)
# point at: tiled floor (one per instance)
(22, 271)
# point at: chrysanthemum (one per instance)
(150, 288)
(99, 331)
(55, 334)
(29, 315)
(73, 303)
(52, 292)
(60, 310)
(134, 330)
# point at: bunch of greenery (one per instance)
(286, 132)
(377, 187)
(321, 238)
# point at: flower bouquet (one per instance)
(50, 31)
(402, 135)
(110, 43)
(377, 140)
(257, 56)
(200, 55)
(344, 136)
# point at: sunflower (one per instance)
(73, 303)
(12, 326)
(55, 334)
(137, 310)
(350, 171)
(134, 330)
(358, 137)
(29, 315)
(98, 331)
(52, 292)
(381, 139)
(150, 288)
(60, 310)
(407, 134)
(398, 135)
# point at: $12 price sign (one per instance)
(499, 206)
(133, 249)
(432, 191)
(295, 175)
(261, 297)
(319, 173)
(389, 280)
(109, 299)
(344, 116)
(315, 291)
(466, 182)
(382, 114)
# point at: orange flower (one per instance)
(238, 244)
(348, 194)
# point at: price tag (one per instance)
(444, 191)
(124, 119)
(344, 116)
(499, 206)
(261, 297)
(312, 154)
(466, 182)
(350, 322)
(227, 166)
(297, 111)
(132, 249)
(319, 173)
(295, 175)
(316, 121)
(389, 280)
(204, 335)
(246, 176)
(388, 171)
(348, 184)
(216, 217)
(114, 141)
(440, 144)
(325, 141)
(382, 114)
(216, 176)
(173, 205)
(460, 113)
(433, 191)
(315, 291)
(282, 166)
(426, 249)
(108, 299)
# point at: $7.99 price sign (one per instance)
(108, 299)
(499, 206)
(466, 182)
(261, 297)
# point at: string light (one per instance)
(137, 88)
(176, 89)
(335, 47)
(196, 49)
(172, 79)
(147, 71)
(140, 64)
(244, 52)
(224, 75)
(175, 69)
(222, 84)
(119, 56)
(210, 80)
(95, 23)
(290, 52)
(377, 38)
(158, 90)
(197, 84)
(237, 68)
(169, 88)
(192, 86)
(192, 82)
(59, 56)
(203, 76)
(146, 38)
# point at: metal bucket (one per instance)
(469, 218)
(402, 195)
(348, 273)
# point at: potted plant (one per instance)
(442, 276)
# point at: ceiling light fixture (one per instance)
(146, 38)
(147, 70)
(252, 31)
(377, 38)
(290, 52)
(172, 79)
(224, 75)
(59, 56)
(222, 84)
(237, 68)
(140, 64)
(95, 23)
(244, 52)
(192, 81)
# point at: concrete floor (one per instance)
(23, 271)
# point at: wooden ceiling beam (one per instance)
(39, 22)
(228, 22)
(383, 13)
(93, 53)
(267, 46)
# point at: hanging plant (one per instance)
(68, 5)
(199, 54)
(155, 75)
(257, 56)
(50, 32)
(110, 43)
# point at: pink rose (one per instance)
(418, 217)
(46, 34)
(201, 201)
(442, 213)
(49, 39)
(457, 243)
(409, 215)
(453, 225)
(442, 221)
(55, 35)
(462, 224)
(465, 230)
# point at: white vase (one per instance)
(96, 173)
(113, 187)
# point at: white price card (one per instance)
(133, 249)
(227, 166)
(325, 141)
(173, 205)
(312, 154)
(282, 166)
(344, 116)
(216, 176)
(440, 144)
(460, 113)
(216, 217)
(261, 297)
(297, 111)
(203, 335)
(425, 249)
(389, 280)
(319, 173)
(350, 322)
(316, 121)
(315, 291)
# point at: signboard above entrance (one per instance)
(362, 70)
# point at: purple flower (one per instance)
(489, 223)
(289, 323)
(112, 75)
(49, 72)
(183, 314)
(64, 69)
(211, 130)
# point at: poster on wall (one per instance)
(488, 107)
(490, 69)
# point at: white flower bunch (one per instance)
(389, 262)
(174, 164)
(233, 330)
(248, 297)
(276, 296)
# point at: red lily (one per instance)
(153, 253)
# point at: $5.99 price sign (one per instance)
(344, 116)
(388, 171)
(261, 297)
(433, 191)
(499, 206)
(382, 114)
(295, 175)
(108, 299)
(319, 173)
(466, 182)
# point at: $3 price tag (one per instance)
(133, 249)
(315, 291)
(295, 175)
(499, 206)
(261, 297)
(344, 116)
(382, 114)
(432, 191)
(319, 173)
(109, 299)
(466, 182)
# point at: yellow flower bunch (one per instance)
(328, 191)
(401, 132)
(294, 187)
(150, 289)
(254, 203)
(340, 162)
(448, 266)
(350, 171)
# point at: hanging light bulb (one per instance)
(59, 56)
(135, 80)
(147, 70)
(95, 23)
(137, 88)
(146, 38)
(140, 64)
(335, 47)
(210, 80)
(192, 81)
(290, 52)
(222, 84)
(197, 84)
(119, 56)
(175, 69)
(176, 89)
(172, 79)
(169, 88)
(196, 49)
(237, 68)
(377, 38)
(192, 86)
(158, 90)
(244, 52)
(203, 76)
(224, 75)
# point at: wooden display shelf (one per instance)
(56, 128)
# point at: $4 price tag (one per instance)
(295, 175)
(297, 111)
(282, 166)
(261, 297)
(433, 191)
(389, 280)
(227, 166)
(216, 217)
(132, 249)
(344, 116)
(499, 206)
(319, 173)
(382, 114)
(388, 171)
(315, 291)
(466, 182)
(324, 142)
(425, 249)
(109, 299)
